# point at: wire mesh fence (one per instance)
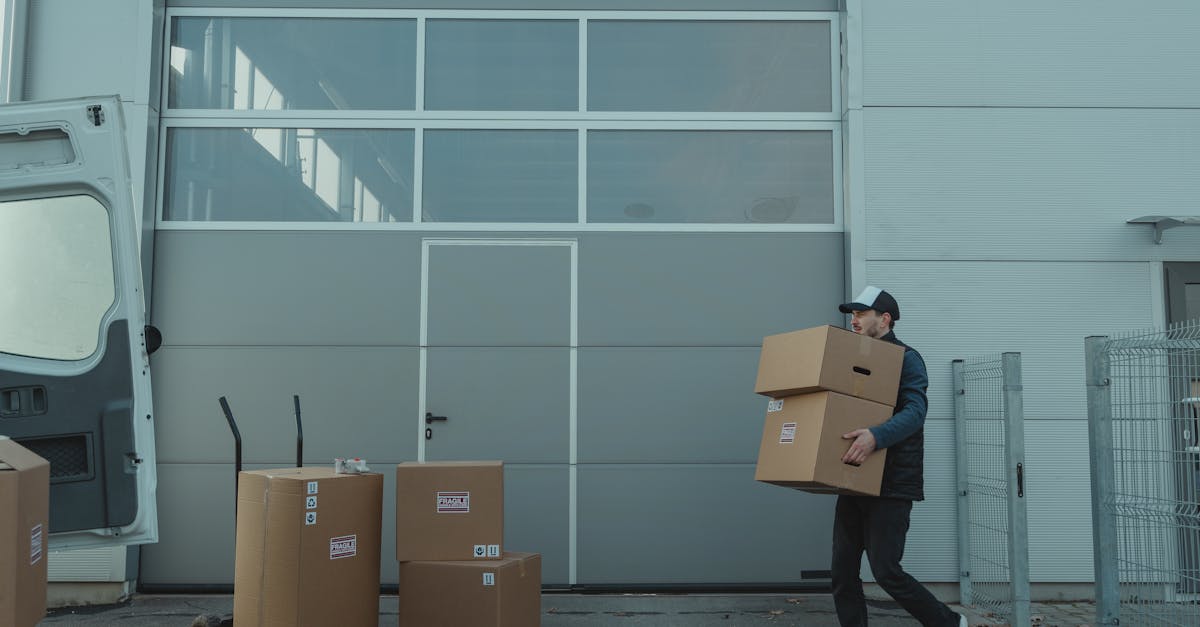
(993, 538)
(1144, 418)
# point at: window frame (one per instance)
(580, 120)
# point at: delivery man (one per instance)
(878, 524)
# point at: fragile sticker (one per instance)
(787, 434)
(489, 579)
(343, 546)
(310, 502)
(480, 550)
(35, 544)
(454, 502)
(493, 550)
(310, 518)
(312, 487)
(775, 405)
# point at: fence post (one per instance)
(1014, 453)
(964, 502)
(1101, 460)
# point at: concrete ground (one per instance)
(588, 610)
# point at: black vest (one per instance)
(904, 468)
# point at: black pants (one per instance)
(878, 526)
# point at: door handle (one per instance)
(429, 419)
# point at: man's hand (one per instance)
(863, 445)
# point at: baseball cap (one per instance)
(873, 298)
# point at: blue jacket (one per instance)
(903, 435)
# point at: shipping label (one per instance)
(343, 546)
(787, 434)
(35, 544)
(454, 502)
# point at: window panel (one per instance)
(289, 175)
(709, 66)
(501, 176)
(501, 65)
(710, 176)
(292, 63)
(58, 267)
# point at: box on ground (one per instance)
(308, 548)
(829, 358)
(449, 510)
(497, 593)
(24, 523)
(802, 444)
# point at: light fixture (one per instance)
(1162, 223)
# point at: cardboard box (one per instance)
(802, 444)
(24, 525)
(449, 511)
(497, 593)
(829, 358)
(308, 548)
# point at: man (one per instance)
(878, 524)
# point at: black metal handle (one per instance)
(430, 418)
(237, 448)
(299, 434)
(1020, 480)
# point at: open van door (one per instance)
(74, 359)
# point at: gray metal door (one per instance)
(1183, 303)
(498, 337)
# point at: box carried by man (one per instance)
(829, 358)
(824, 382)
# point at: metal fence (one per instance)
(1143, 419)
(993, 544)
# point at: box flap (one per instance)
(17, 457)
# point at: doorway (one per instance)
(498, 369)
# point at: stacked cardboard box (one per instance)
(308, 548)
(824, 382)
(454, 570)
(24, 523)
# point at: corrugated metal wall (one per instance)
(1005, 144)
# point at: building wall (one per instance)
(76, 50)
(994, 151)
(668, 331)
(1004, 145)
(669, 327)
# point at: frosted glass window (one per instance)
(502, 65)
(289, 175)
(501, 176)
(260, 63)
(709, 66)
(58, 267)
(711, 176)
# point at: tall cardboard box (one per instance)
(24, 523)
(308, 548)
(802, 444)
(497, 593)
(449, 510)
(829, 358)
